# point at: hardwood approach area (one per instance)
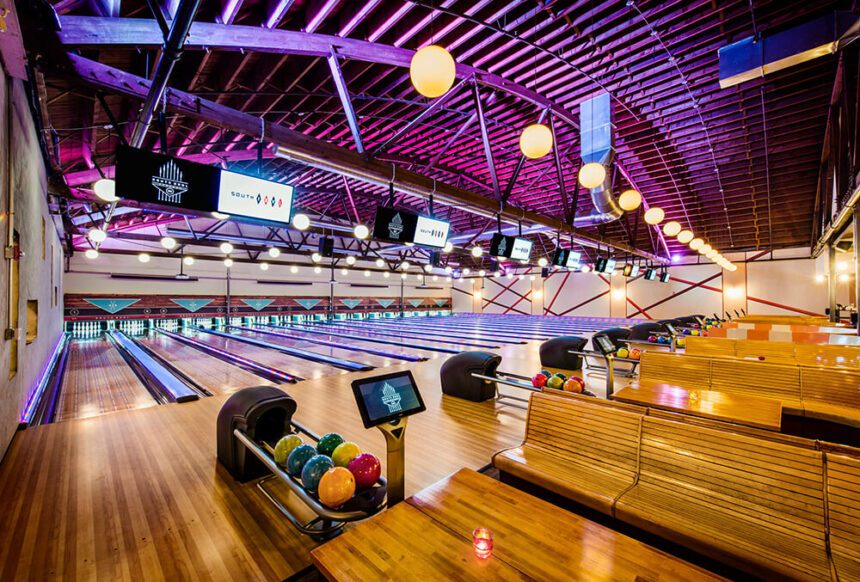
(138, 494)
(736, 408)
(533, 539)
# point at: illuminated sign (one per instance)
(430, 232)
(402, 226)
(573, 260)
(240, 195)
(522, 249)
(510, 247)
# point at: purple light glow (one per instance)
(675, 258)
(36, 395)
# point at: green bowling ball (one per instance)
(285, 446)
(555, 382)
(297, 459)
(328, 443)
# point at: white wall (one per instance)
(40, 267)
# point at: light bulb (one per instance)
(592, 175)
(449, 246)
(448, 268)
(477, 251)
(168, 242)
(467, 271)
(143, 257)
(274, 252)
(97, 235)
(226, 248)
(294, 269)
(188, 261)
(482, 273)
(317, 270)
(685, 236)
(344, 272)
(105, 189)
(705, 249)
(630, 200)
(672, 228)
(350, 260)
(405, 265)
(366, 273)
(386, 274)
(380, 263)
(228, 262)
(264, 266)
(361, 231)
(696, 244)
(542, 262)
(428, 267)
(316, 257)
(432, 71)
(301, 221)
(536, 141)
(91, 254)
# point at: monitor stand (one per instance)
(395, 436)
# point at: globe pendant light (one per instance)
(685, 236)
(592, 175)
(655, 215)
(432, 71)
(536, 141)
(630, 200)
(696, 244)
(672, 228)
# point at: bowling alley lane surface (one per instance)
(139, 495)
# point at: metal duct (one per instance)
(752, 58)
(597, 136)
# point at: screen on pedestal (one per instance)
(385, 398)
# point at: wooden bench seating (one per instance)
(580, 449)
(733, 496)
(755, 499)
(821, 392)
(794, 353)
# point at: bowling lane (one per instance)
(97, 380)
(423, 349)
(342, 353)
(215, 375)
(289, 364)
(412, 340)
(407, 336)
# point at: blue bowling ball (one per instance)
(298, 458)
(314, 469)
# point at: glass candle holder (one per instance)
(482, 541)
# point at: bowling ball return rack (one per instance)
(474, 376)
(251, 421)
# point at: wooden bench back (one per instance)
(843, 491)
(827, 355)
(709, 347)
(677, 369)
(777, 352)
(776, 482)
(778, 381)
(586, 429)
(838, 387)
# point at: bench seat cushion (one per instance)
(574, 479)
(684, 515)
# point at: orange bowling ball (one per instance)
(336, 487)
(635, 354)
(574, 384)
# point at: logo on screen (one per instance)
(390, 398)
(170, 183)
(503, 246)
(395, 227)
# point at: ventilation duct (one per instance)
(750, 59)
(597, 141)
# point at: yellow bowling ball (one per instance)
(284, 447)
(622, 353)
(344, 453)
(336, 487)
(694, 332)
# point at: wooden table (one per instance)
(429, 537)
(738, 408)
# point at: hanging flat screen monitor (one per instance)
(600, 265)
(430, 232)
(634, 270)
(561, 257)
(385, 398)
(664, 278)
(650, 274)
(251, 197)
(610, 266)
(161, 181)
(522, 249)
(501, 245)
(574, 260)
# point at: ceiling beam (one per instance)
(345, 101)
(323, 155)
(139, 33)
(11, 43)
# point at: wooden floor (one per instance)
(98, 381)
(139, 495)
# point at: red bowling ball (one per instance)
(366, 470)
(539, 381)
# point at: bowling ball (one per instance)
(662, 339)
(696, 326)
(622, 353)
(694, 332)
(761, 358)
(328, 443)
(704, 334)
(574, 384)
(652, 339)
(686, 332)
(680, 342)
(336, 487)
(635, 354)
(708, 326)
(297, 459)
(555, 382)
(560, 375)
(366, 470)
(539, 381)
(344, 453)
(546, 373)
(314, 469)
(285, 446)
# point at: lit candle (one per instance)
(482, 541)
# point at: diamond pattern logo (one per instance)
(351, 303)
(308, 303)
(257, 304)
(192, 305)
(112, 305)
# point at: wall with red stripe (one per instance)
(786, 282)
